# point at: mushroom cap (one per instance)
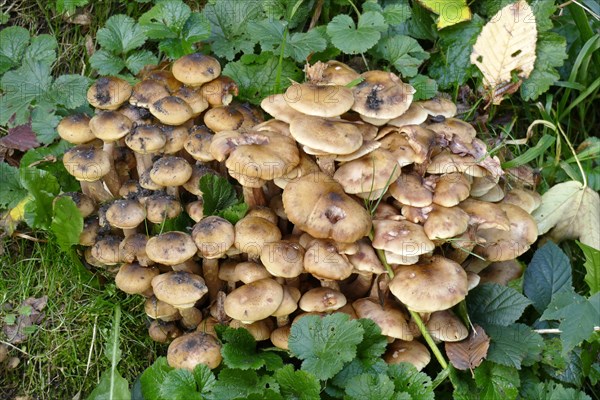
(451, 189)
(409, 190)
(213, 236)
(254, 301)
(249, 271)
(260, 330)
(192, 185)
(482, 185)
(485, 215)
(382, 95)
(365, 260)
(338, 73)
(125, 214)
(137, 115)
(133, 248)
(84, 203)
(421, 140)
(495, 194)
(180, 289)
(283, 258)
(412, 352)
(176, 136)
(367, 147)
(146, 92)
(163, 332)
(319, 206)
(401, 237)
(369, 173)
(432, 285)
(170, 171)
(501, 272)
(439, 106)
(319, 100)
(333, 136)
(110, 126)
(224, 118)
(445, 326)
(108, 93)
(171, 248)
(160, 207)
(106, 250)
(391, 320)
(165, 77)
(289, 304)
(171, 110)
(322, 299)
(277, 106)
(280, 336)
(146, 139)
(251, 234)
(198, 143)
(75, 129)
(196, 69)
(89, 233)
(323, 261)
(194, 98)
(194, 348)
(195, 210)
(220, 91)
(158, 309)
(398, 145)
(446, 222)
(133, 278)
(415, 115)
(263, 212)
(447, 162)
(528, 200)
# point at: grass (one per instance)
(64, 356)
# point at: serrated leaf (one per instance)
(42, 49)
(297, 385)
(497, 382)
(268, 33)
(396, 13)
(67, 223)
(106, 63)
(48, 159)
(450, 12)
(301, 44)
(120, 34)
(43, 188)
(470, 352)
(234, 213)
(370, 387)
(493, 304)
(196, 28)
(179, 384)
(403, 52)
(325, 344)
(166, 19)
(572, 373)
(414, 385)
(12, 191)
(139, 59)
(111, 387)
(70, 90)
(239, 349)
(234, 383)
(218, 194)
(506, 43)
(205, 379)
(570, 211)
(426, 88)
(549, 272)
(13, 42)
(153, 377)
(357, 367)
(551, 52)
(551, 391)
(592, 267)
(357, 38)
(373, 344)
(514, 345)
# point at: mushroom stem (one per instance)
(360, 286)
(129, 232)
(96, 191)
(283, 320)
(112, 178)
(330, 284)
(173, 191)
(210, 272)
(143, 163)
(254, 196)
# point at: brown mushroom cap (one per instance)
(481, 185)
(158, 309)
(254, 301)
(198, 143)
(391, 320)
(382, 95)
(365, 260)
(501, 272)
(338, 73)
(432, 285)
(446, 222)
(165, 77)
(369, 173)
(196, 69)
(251, 234)
(445, 326)
(171, 110)
(319, 100)
(84, 203)
(495, 194)
(110, 126)
(225, 118)
(485, 215)
(289, 304)
(220, 91)
(133, 278)
(180, 289)
(401, 237)
(451, 189)
(194, 348)
(323, 261)
(170, 171)
(125, 214)
(145, 139)
(277, 106)
(447, 162)
(163, 332)
(106, 250)
(249, 271)
(192, 185)
(89, 233)
(322, 299)
(409, 190)
(412, 352)
(283, 258)
(133, 248)
(137, 115)
(160, 207)
(528, 200)
(86, 163)
(213, 236)
(333, 136)
(439, 106)
(108, 93)
(147, 92)
(171, 248)
(75, 129)
(279, 337)
(194, 98)
(399, 146)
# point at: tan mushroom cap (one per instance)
(196, 69)
(306, 166)
(412, 352)
(365, 260)
(158, 309)
(418, 215)
(439, 106)
(171, 248)
(451, 189)
(502, 245)
(198, 143)
(213, 236)
(446, 222)
(263, 212)
(163, 332)
(382, 95)
(445, 326)
(323, 261)
(432, 285)
(146, 92)
(165, 77)
(106, 250)
(75, 129)
(180, 289)
(171, 110)
(319, 100)
(409, 190)
(415, 115)
(192, 185)
(277, 106)
(160, 207)
(319, 206)
(481, 185)
(249, 271)
(108, 93)
(84, 203)
(454, 130)
(110, 126)
(133, 248)
(260, 330)
(485, 215)
(194, 98)
(220, 91)
(289, 304)
(421, 140)
(391, 320)
(176, 136)
(369, 173)
(251, 234)
(280, 336)
(283, 258)
(401, 237)
(134, 279)
(145, 139)
(192, 349)
(225, 118)
(125, 214)
(147, 183)
(170, 171)
(528, 200)
(447, 162)
(322, 299)
(137, 115)
(495, 194)
(398, 145)
(333, 136)
(338, 73)
(501, 272)
(254, 301)
(89, 233)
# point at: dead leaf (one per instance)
(469, 353)
(83, 18)
(17, 332)
(572, 212)
(450, 12)
(90, 48)
(21, 138)
(3, 352)
(506, 44)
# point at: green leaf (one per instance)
(106, 63)
(69, 6)
(370, 387)
(450, 12)
(205, 379)
(234, 383)
(121, 34)
(13, 42)
(542, 11)
(153, 377)
(139, 59)
(354, 38)
(67, 223)
(300, 45)
(325, 344)
(548, 273)
(397, 13)
(551, 391)
(268, 33)
(49, 159)
(497, 382)
(592, 267)
(493, 304)
(373, 344)
(196, 28)
(550, 54)
(179, 384)
(12, 191)
(70, 90)
(166, 19)
(234, 213)
(406, 378)
(112, 386)
(425, 87)
(357, 367)
(239, 351)
(42, 49)
(43, 188)
(403, 52)
(514, 345)
(218, 194)
(297, 385)
(294, 12)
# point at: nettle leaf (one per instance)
(70, 90)
(497, 382)
(407, 380)
(514, 345)
(592, 267)
(550, 390)
(121, 34)
(12, 190)
(425, 87)
(297, 385)
(139, 59)
(42, 49)
(153, 377)
(551, 52)
(325, 344)
(354, 38)
(493, 304)
(239, 351)
(67, 223)
(549, 272)
(403, 52)
(166, 19)
(106, 63)
(13, 42)
(370, 387)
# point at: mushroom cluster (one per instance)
(349, 184)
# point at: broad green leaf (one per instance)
(325, 344)
(548, 273)
(294, 12)
(196, 28)
(120, 34)
(268, 33)
(153, 377)
(175, 48)
(205, 379)
(112, 386)
(396, 13)
(67, 223)
(493, 304)
(106, 63)
(551, 391)
(179, 384)
(572, 373)
(139, 59)
(425, 87)
(370, 387)
(49, 159)
(416, 385)
(166, 19)
(234, 213)
(373, 344)
(70, 90)
(297, 385)
(42, 49)
(13, 42)
(497, 382)
(43, 188)
(239, 350)
(12, 190)
(514, 345)
(218, 194)
(550, 54)
(592, 267)
(450, 12)
(403, 52)
(69, 6)
(354, 38)
(357, 367)
(234, 383)
(300, 45)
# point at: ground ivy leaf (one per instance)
(153, 377)
(354, 38)
(106, 63)
(425, 87)
(139, 59)
(493, 304)
(107, 390)
(548, 273)
(218, 194)
(550, 54)
(297, 385)
(67, 223)
(120, 34)
(450, 12)
(70, 90)
(370, 387)
(408, 380)
(403, 52)
(514, 345)
(325, 344)
(166, 19)
(497, 382)
(12, 190)
(551, 391)
(592, 267)
(42, 49)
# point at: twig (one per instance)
(556, 331)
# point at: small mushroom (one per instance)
(412, 352)
(382, 95)
(196, 69)
(133, 278)
(319, 100)
(108, 93)
(171, 248)
(254, 301)
(180, 289)
(445, 326)
(75, 129)
(192, 349)
(171, 110)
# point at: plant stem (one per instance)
(583, 24)
(280, 62)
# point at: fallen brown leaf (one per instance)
(17, 332)
(21, 138)
(469, 353)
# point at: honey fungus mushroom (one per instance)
(254, 301)
(192, 349)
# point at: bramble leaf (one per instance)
(592, 267)
(497, 382)
(493, 304)
(357, 38)
(514, 345)
(218, 194)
